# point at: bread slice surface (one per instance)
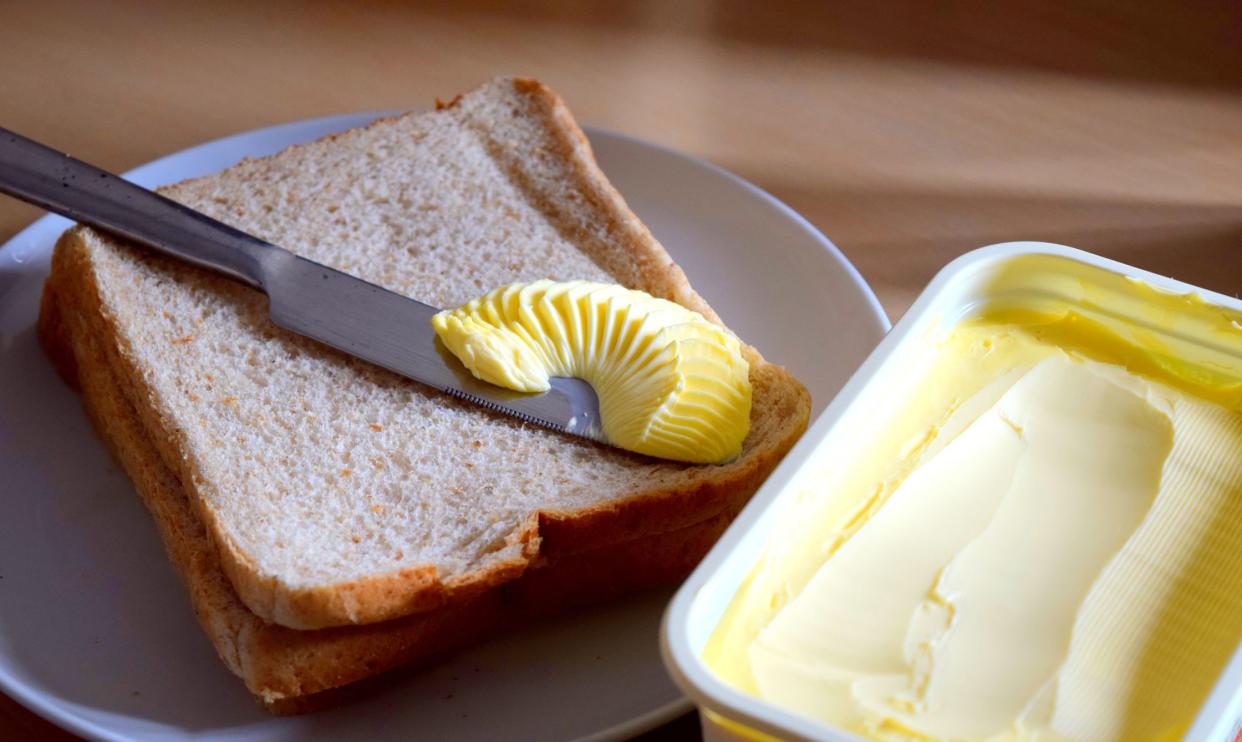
(335, 492)
(296, 671)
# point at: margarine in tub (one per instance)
(1038, 536)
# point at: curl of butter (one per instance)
(670, 383)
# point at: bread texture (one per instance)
(320, 491)
(295, 671)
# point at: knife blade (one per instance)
(339, 310)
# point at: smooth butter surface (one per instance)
(670, 383)
(1043, 546)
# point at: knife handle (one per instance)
(59, 183)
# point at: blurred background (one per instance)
(908, 131)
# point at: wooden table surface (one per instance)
(908, 132)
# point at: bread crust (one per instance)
(633, 256)
(295, 671)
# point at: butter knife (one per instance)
(324, 304)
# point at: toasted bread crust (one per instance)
(295, 671)
(632, 255)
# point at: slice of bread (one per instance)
(334, 492)
(294, 671)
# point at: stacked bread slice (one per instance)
(333, 520)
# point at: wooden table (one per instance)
(908, 133)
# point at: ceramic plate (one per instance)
(96, 633)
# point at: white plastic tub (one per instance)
(956, 292)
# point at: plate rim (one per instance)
(41, 704)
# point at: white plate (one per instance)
(96, 633)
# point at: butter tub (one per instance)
(1011, 276)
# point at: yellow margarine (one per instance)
(1047, 545)
(670, 383)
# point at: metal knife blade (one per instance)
(394, 331)
(334, 308)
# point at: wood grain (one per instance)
(909, 132)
